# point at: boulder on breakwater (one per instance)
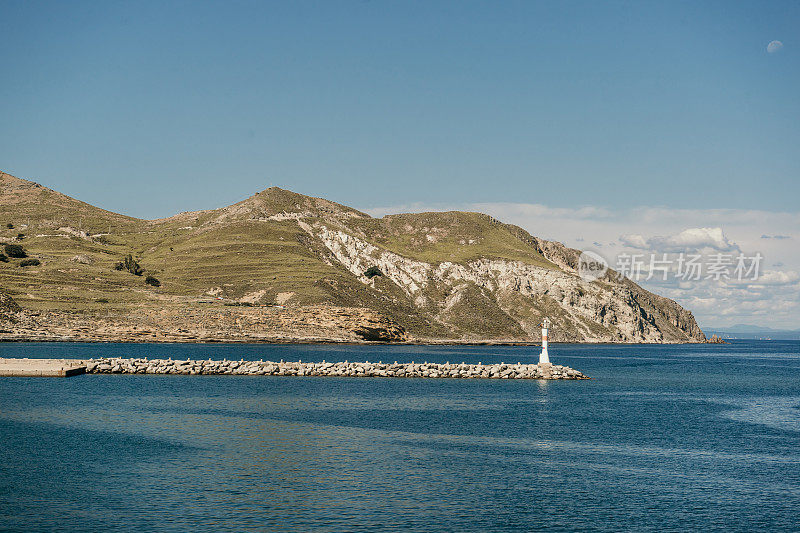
(339, 369)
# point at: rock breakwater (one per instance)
(332, 369)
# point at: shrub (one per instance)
(102, 300)
(10, 225)
(131, 265)
(29, 262)
(15, 250)
(150, 280)
(20, 236)
(3, 258)
(373, 271)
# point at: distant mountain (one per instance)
(284, 266)
(749, 331)
(749, 328)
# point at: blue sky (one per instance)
(150, 108)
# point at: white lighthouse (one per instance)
(543, 357)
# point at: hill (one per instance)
(284, 266)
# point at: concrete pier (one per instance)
(43, 368)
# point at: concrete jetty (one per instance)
(45, 368)
(333, 369)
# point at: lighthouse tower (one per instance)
(543, 357)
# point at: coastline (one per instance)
(322, 341)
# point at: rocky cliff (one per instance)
(501, 297)
(283, 266)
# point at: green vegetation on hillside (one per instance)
(129, 264)
(373, 271)
(15, 250)
(453, 236)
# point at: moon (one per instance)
(774, 46)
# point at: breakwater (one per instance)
(332, 369)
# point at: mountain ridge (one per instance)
(279, 262)
(750, 331)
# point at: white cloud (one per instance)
(688, 240)
(771, 278)
(777, 277)
(634, 240)
(693, 240)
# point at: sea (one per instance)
(662, 438)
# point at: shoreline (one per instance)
(345, 342)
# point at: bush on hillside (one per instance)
(29, 262)
(15, 250)
(10, 225)
(131, 265)
(20, 236)
(150, 280)
(373, 271)
(3, 258)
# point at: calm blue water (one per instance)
(664, 438)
